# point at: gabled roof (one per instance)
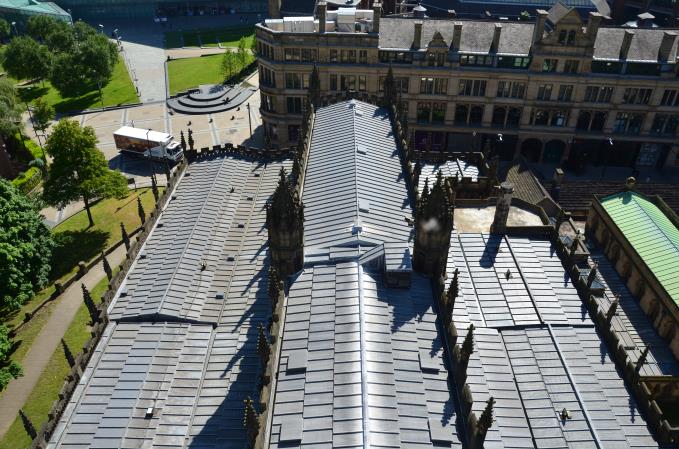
(651, 233)
(353, 189)
(644, 46)
(559, 11)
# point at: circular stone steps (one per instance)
(210, 98)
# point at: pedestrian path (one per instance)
(47, 341)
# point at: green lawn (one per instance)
(192, 72)
(49, 385)
(76, 241)
(119, 90)
(208, 37)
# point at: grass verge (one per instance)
(209, 37)
(186, 73)
(49, 385)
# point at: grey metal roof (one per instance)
(173, 344)
(374, 373)
(458, 168)
(353, 189)
(477, 36)
(540, 352)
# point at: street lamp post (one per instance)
(14, 25)
(101, 27)
(607, 152)
(150, 159)
(249, 119)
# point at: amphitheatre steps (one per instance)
(210, 98)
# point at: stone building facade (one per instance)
(640, 236)
(560, 90)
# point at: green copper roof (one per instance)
(650, 233)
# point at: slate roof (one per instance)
(477, 36)
(353, 179)
(538, 351)
(459, 168)
(516, 38)
(184, 340)
(651, 233)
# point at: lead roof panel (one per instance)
(341, 181)
(535, 367)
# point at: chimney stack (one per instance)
(275, 9)
(504, 202)
(666, 45)
(417, 38)
(626, 43)
(539, 29)
(457, 37)
(321, 10)
(593, 25)
(495, 45)
(377, 13)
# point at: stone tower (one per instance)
(434, 223)
(285, 223)
(504, 202)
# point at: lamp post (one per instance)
(249, 119)
(608, 150)
(101, 28)
(150, 159)
(14, 25)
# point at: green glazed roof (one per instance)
(650, 233)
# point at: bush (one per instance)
(28, 180)
(31, 146)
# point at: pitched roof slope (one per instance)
(184, 340)
(652, 235)
(353, 188)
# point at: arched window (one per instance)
(461, 112)
(541, 118)
(571, 37)
(583, 121)
(476, 115)
(562, 36)
(514, 118)
(499, 116)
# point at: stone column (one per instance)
(504, 202)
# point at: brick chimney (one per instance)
(668, 39)
(321, 12)
(457, 37)
(539, 29)
(417, 37)
(495, 45)
(593, 25)
(626, 43)
(377, 13)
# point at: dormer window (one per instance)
(567, 37)
(436, 58)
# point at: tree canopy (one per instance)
(40, 26)
(10, 109)
(4, 29)
(9, 369)
(79, 170)
(43, 114)
(25, 58)
(25, 247)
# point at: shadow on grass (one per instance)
(73, 247)
(32, 92)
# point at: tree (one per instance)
(9, 369)
(10, 109)
(4, 29)
(41, 26)
(228, 64)
(242, 52)
(26, 59)
(43, 114)
(25, 247)
(61, 39)
(79, 170)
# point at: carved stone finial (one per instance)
(611, 310)
(641, 360)
(486, 419)
(285, 223)
(251, 421)
(434, 223)
(592, 274)
(467, 348)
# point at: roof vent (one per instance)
(123, 292)
(360, 149)
(297, 360)
(219, 295)
(428, 363)
(291, 432)
(363, 205)
(142, 255)
(230, 259)
(438, 433)
(241, 225)
(149, 413)
(352, 104)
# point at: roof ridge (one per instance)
(662, 230)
